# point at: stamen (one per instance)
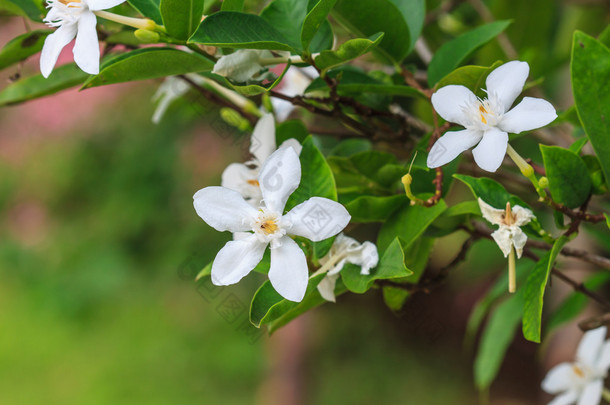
(269, 227)
(253, 183)
(577, 370)
(509, 218)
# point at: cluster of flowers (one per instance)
(251, 201)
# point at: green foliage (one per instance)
(534, 291)
(181, 17)
(346, 52)
(314, 20)
(148, 63)
(32, 87)
(568, 176)
(452, 53)
(472, 77)
(232, 5)
(148, 8)
(22, 47)
(33, 9)
(590, 72)
(368, 208)
(251, 89)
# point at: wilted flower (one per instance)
(346, 250)
(243, 177)
(226, 210)
(487, 121)
(74, 18)
(581, 382)
(243, 65)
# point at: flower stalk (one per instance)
(526, 169)
(139, 23)
(512, 271)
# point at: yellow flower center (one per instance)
(253, 183)
(482, 111)
(269, 226)
(578, 371)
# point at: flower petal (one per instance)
(86, 47)
(523, 215)
(519, 240)
(236, 259)
(590, 346)
(292, 143)
(262, 141)
(317, 219)
(604, 358)
(241, 65)
(288, 271)
(568, 398)
(506, 82)
(279, 177)
(490, 152)
(450, 145)
(559, 378)
(503, 238)
(326, 288)
(449, 100)
(95, 5)
(224, 209)
(491, 214)
(592, 394)
(530, 113)
(53, 45)
(242, 179)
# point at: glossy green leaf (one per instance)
(32, 87)
(22, 47)
(368, 208)
(181, 17)
(395, 297)
(240, 30)
(148, 8)
(232, 5)
(365, 18)
(30, 8)
(472, 77)
(391, 265)
(148, 63)
(314, 20)
(347, 51)
(291, 129)
(496, 339)
(490, 191)
(534, 291)
(590, 70)
(453, 53)
(414, 14)
(267, 305)
(568, 176)
(409, 223)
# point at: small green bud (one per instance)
(146, 36)
(527, 170)
(267, 102)
(234, 119)
(543, 182)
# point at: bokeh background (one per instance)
(99, 244)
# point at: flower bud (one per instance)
(543, 182)
(146, 36)
(234, 119)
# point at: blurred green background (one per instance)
(99, 244)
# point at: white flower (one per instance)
(243, 65)
(581, 382)
(294, 83)
(170, 90)
(226, 210)
(74, 18)
(510, 220)
(487, 121)
(243, 177)
(346, 250)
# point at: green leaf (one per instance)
(368, 17)
(590, 70)
(453, 53)
(239, 30)
(534, 291)
(568, 176)
(22, 47)
(181, 17)
(32, 87)
(414, 13)
(409, 223)
(471, 76)
(232, 5)
(490, 191)
(291, 129)
(31, 8)
(148, 63)
(148, 8)
(250, 89)
(347, 51)
(369, 208)
(267, 305)
(391, 265)
(395, 297)
(314, 20)
(496, 339)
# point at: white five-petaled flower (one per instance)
(510, 220)
(74, 18)
(346, 250)
(581, 382)
(226, 210)
(243, 65)
(487, 121)
(243, 177)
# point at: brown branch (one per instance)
(594, 322)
